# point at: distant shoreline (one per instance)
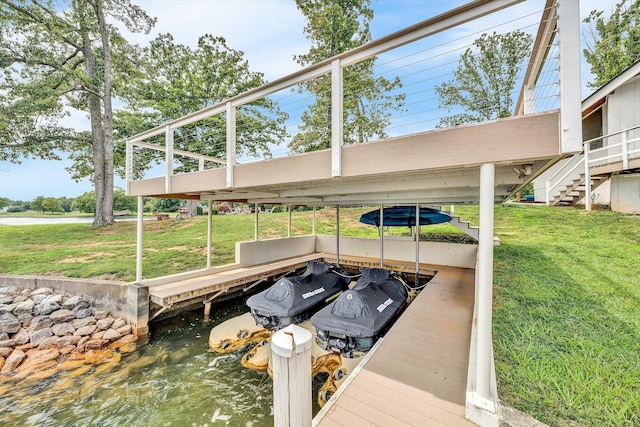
(42, 220)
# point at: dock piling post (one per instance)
(207, 311)
(291, 351)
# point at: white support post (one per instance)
(291, 357)
(587, 178)
(313, 225)
(569, 57)
(529, 101)
(625, 150)
(288, 220)
(139, 239)
(381, 235)
(201, 164)
(417, 244)
(483, 397)
(337, 118)
(337, 234)
(168, 158)
(255, 226)
(548, 193)
(209, 231)
(231, 142)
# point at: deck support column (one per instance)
(417, 244)
(255, 226)
(483, 396)
(288, 220)
(139, 239)
(337, 234)
(291, 351)
(381, 236)
(485, 280)
(209, 231)
(313, 224)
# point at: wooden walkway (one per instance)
(188, 289)
(418, 375)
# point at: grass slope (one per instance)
(567, 315)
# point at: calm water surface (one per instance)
(171, 380)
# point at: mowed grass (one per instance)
(567, 294)
(567, 314)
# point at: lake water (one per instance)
(16, 220)
(170, 380)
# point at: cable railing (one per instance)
(326, 105)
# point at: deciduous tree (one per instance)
(56, 57)
(485, 78)
(183, 80)
(614, 43)
(334, 27)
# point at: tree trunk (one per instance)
(95, 114)
(107, 165)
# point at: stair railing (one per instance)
(629, 147)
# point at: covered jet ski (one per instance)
(294, 299)
(356, 318)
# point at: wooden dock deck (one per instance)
(418, 375)
(183, 290)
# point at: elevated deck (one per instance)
(418, 375)
(434, 167)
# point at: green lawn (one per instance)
(567, 295)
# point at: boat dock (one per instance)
(418, 374)
(204, 288)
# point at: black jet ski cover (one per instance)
(290, 299)
(363, 311)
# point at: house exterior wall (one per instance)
(625, 193)
(623, 112)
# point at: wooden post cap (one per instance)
(290, 340)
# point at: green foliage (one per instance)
(183, 80)
(51, 204)
(614, 44)
(85, 203)
(122, 202)
(333, 27)
(16, 209)
(65, 203)
(4, 202)
(485, 78)
(167, 205)
(36, 204)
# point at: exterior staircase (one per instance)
(573, 192)
(465, 227)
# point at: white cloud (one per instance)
(269, 32)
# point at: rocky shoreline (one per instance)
(43, 332)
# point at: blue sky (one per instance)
(269, 32)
